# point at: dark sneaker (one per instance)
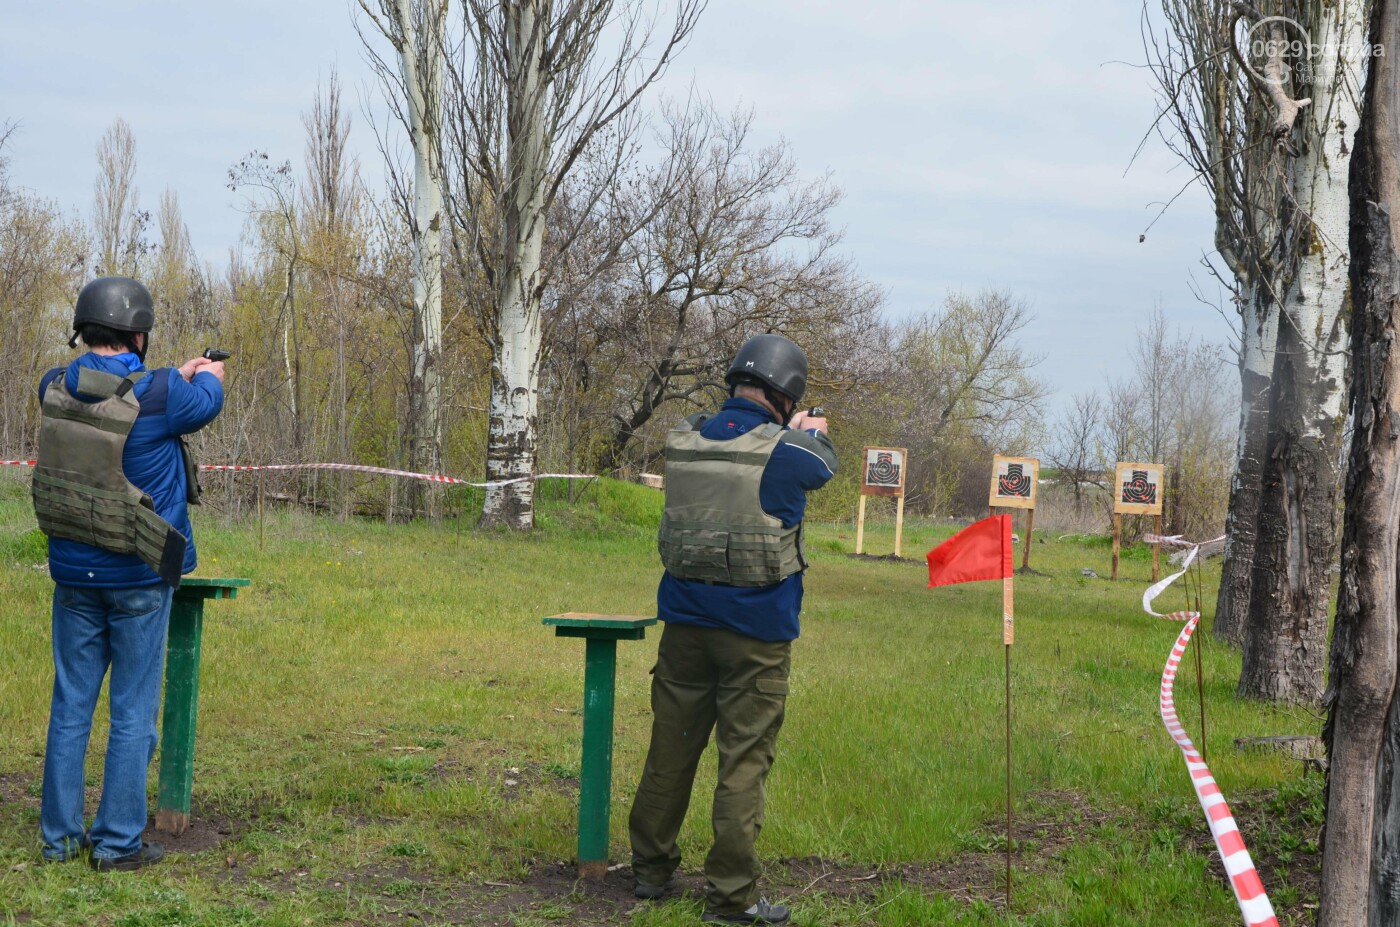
(760, 913)
(653, 892)
(149, 854)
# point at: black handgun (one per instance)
(214, 354)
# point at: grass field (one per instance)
(389, 736)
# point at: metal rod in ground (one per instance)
(1201, 699)
(260, 510)
(1200, 677)
(1008, 782)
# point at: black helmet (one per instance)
(774, 360)
(119, 303)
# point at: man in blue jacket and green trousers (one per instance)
(110, 489)
(731, 542)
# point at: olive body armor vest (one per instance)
(714, 528)
(81, 492)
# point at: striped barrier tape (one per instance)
(383, 471)
(1239, 866)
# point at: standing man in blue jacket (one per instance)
(731, 542)
(110, 489)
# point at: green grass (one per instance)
(365, 702)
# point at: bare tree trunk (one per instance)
(421, 62)
(1258, 332)
(510, 451)
(1360, 853)
(1286, 633)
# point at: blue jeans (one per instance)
(93, 629)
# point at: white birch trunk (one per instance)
(510, 451)
(1317, 300)
(423, 83)
(1286, 635)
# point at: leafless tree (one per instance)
(417, 31)
(1285, 638)
(117, 218)
(1076, 450)
(1264, 124)
(534, 86)
(277, 210)
(331, 201)
(958, 385)
(731, 242)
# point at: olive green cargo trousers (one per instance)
(710, 679)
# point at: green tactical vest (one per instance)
(80, 491)
(713, 528)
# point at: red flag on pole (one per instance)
(980, 551)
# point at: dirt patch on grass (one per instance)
(886, 558)
(14, 787)
(206, 831)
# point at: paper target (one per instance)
(1014, 482)
(1137, 489)
(884, 471)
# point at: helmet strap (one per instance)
(140, 351)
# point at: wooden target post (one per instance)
(1137, 490)
(1015, 482)
(882, 474)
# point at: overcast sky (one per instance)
(977, 144)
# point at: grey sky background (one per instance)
(977, 144)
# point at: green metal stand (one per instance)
(177, 730)
(601, 634)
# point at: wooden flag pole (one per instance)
(1117, 539)
(1157, 552)
(860, 525)
(898, 525)
(1008, 634)
(1026, 551)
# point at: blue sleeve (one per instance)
(190, 406)
(802, 461)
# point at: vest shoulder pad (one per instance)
(104, 385)
(693, 422)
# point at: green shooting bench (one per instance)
(601, 634)
(177, 727)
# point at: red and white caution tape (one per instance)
(383, 471)
(1239, 867)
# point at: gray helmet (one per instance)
(774, 360)
(120, 303)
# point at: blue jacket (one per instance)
(802, 461)
(151, 459)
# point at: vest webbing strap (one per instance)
(751, 459)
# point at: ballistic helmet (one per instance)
(119, 303)
(772, 360)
